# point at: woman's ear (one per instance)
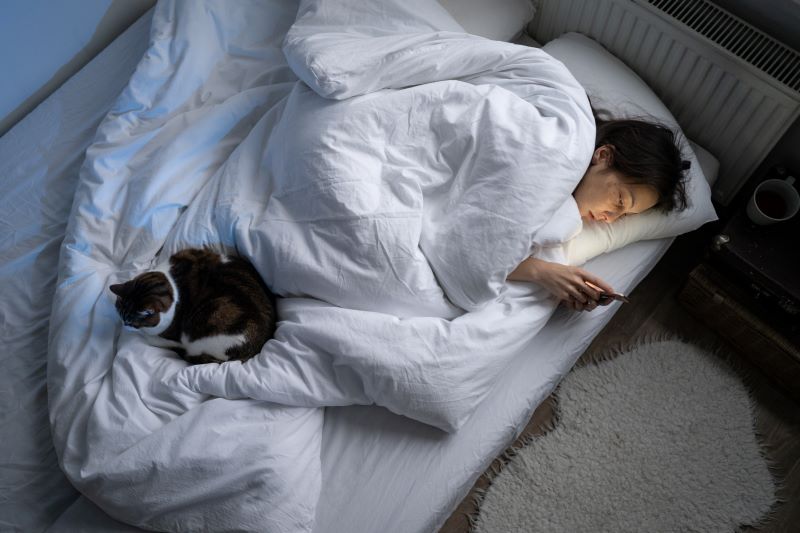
(603, 155)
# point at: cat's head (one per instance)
(141, 300)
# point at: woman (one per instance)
(636, 166)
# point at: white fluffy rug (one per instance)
(658, 439)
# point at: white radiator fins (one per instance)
(736, 36)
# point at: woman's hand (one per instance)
(566, 283)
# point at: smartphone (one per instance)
(606, 297)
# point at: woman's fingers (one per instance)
(585, 292)
(597, 282)
(588, 306)
(577, 295)
(575, 305)
(576, 288)
(590, 291)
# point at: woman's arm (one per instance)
(566, 283)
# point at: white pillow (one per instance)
(616, 91)
(708, 163)
(501, 20)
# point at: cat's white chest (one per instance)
(215, 345)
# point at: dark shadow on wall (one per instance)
(777, 18)
(117, 18)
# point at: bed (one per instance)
(379, 470)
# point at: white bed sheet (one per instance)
(39, 162)
(380, 471)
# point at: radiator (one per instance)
(732, 88)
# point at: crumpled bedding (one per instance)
(382, 172)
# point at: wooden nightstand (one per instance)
(748, 290)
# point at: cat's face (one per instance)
(141, 300)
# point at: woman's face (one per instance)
(604, 195)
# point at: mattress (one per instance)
(381, 471)
(39, 162)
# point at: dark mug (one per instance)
(773, 201)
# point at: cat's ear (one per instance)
(120, 289)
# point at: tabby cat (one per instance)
(207, 307)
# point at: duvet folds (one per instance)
(383, 171)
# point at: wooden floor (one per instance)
(654, 311)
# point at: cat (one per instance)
(207, 307)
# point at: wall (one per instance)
(44, 42)
(779, 19)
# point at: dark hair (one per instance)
(646, 153)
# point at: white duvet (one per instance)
(382, 171)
